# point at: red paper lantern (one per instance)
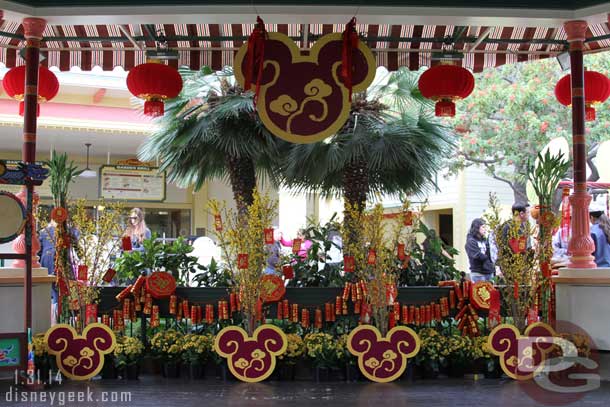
(444, 84)
(14, 85)
(597, 90)
(154, 82)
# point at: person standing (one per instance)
(47, 259)
(600, 232)
(305, 244)
(137, 230)
(478, 251)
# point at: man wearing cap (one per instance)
(600, 232)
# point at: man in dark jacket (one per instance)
(477, 249)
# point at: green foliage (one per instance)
(308, 272)
(130, 264)
(172, 257)
(399, 145)
(210, 121)
(214, 275)
(61, 173)
(175, 259)
(546, 175)
(429, 261)
(513, 113)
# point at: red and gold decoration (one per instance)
(154, 82)
(522, 356)
(14, 85)
(383, 359)
(597, 90)
(80, 357)
(59, 215)
(251, 359)
(445, 84)
(160, 285)
(272, 288)
(304, 98)
(269, 236)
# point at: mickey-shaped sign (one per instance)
(383, 359)
(302, 98)
(251, 359)
(80, 357)
(522, 356)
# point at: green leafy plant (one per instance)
(546, 174)
(175, 259)
(130, 264)
(214, 275)
(429, 261)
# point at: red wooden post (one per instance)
(581, 245)
(32, 30)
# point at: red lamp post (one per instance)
(154, 82)
(14, 85)
(445, 84)
(597, 90)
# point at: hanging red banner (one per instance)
(82, 272)
(349, 264)
(296, 245)
(218, 222)
(288, 271)
(242, 261)
(371, 258)
(401, 251)
(269, 236)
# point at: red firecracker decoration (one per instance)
(444, 84)
(154, 82)
(318, 319)
(14, 85)
(371, 258)
(173, 302)
(597, 90)
(123, 294)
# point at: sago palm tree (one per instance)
(211, 130)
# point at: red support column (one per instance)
(32, 30)
(581, 245)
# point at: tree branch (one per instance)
(479, 160)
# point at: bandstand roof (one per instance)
(114, 33)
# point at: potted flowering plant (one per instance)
(457, 351)
(287, 360)
(167, 347)
(196, 352)
(127, 353)
(322, 351)
(430, 356)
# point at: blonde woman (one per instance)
(136, 229)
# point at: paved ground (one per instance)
(155, 391)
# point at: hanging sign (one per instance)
(132, 183)
(304, 98)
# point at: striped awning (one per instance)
(214, 45)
